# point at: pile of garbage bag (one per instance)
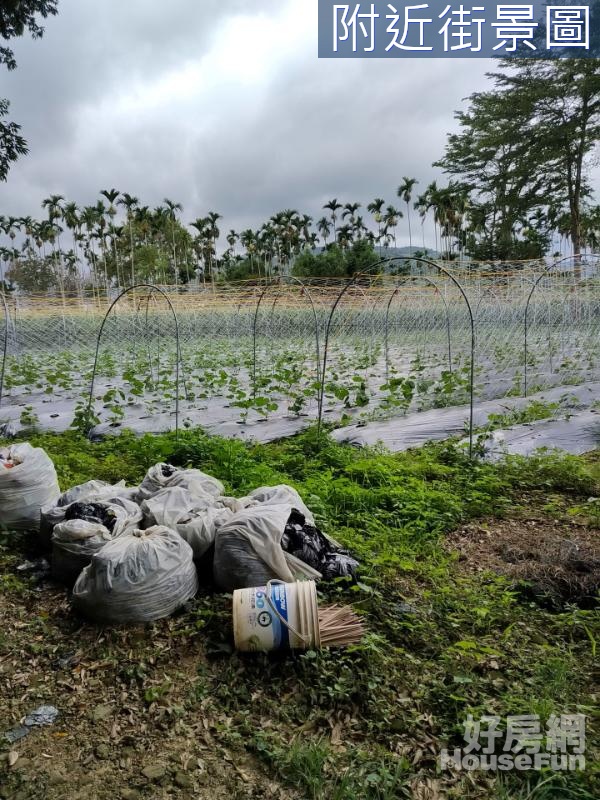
(309, 545)
(133, 554)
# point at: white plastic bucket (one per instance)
(279, 616)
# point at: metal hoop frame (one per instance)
(323, 338)
(368, 274)
(536, 283)
(279, 283)
(387, 316)
(178, 348)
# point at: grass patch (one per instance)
(443, 642)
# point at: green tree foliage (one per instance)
(12, 144)
(522, 154)
(32, 274)
(242, 269)
(17, 17)
(360, 257)
(590, 224)
(330, 263)
(335, 262)
(151, 264)
(163, 251)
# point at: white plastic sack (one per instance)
(199, 530)
(73, 544)
(282, 495)
(92, 492)
(236, 504)
(248, 549)
(167, 506)
(128, 514)
(88, 490)
(196, 520)
(55, 512)
(162, 476)
(26, 487)
(137, 577)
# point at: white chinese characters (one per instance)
(456, 30)
(383, 28)
(347, 24)
(515, 24)
(568, 26)
(400, 41)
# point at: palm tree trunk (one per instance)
(174, 256)
(119, 284)
(78, 269)
(131, 252)
(187, 265)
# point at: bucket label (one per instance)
(264, 619)
(281, 634)
(268, 620)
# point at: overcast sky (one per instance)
(222, 105)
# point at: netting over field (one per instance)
(373, 347)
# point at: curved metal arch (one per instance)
(178, 353)
(278, 282)
(149, 296)
(365, 300)
(5, 345)
(387, 315)
(152, 296)
(484, 294)
(236, 325)
(366, 274)
(581, 257)
(536, 283)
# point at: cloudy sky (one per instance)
(222, 105)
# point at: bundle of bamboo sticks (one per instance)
(339, 626)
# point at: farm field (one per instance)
(262, 363)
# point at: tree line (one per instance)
(518, 177)
(118, 241)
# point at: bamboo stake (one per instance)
(339, 626)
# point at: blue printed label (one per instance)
(266, 617)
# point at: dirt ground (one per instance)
(133, 720)
(116, 736)
(554, 562)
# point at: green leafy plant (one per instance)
(84, 419)
(399, 393)
(29, 418)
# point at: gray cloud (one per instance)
(222, 105)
